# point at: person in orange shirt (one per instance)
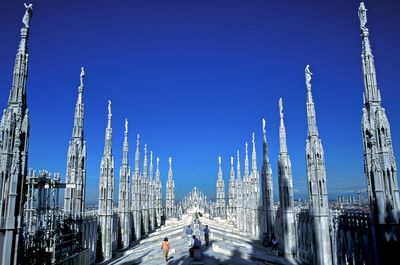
(165, 247)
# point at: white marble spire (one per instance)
(124, 205)
(77, 131)
(246, 163)
(282, 129)
(152, 210)
(158, 188)
(311, 118)
(231, 215)
(145, 193)
(371, 92)
(238, 165)
(20, 73)
(267, 189)
(232, 173)
(151, 166)
(239, 195)
(106, 192)
(253, 154)
(14, 128)
(288, 241)
(74, 198)
(380, 165)
(170, 196)
(220, 204)
(136, 193)
(317, 185)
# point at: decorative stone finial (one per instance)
(126, 126)
(281, 108)
(232, 161)
(238, 155)
(158, 161)
(362, 14)
(219, 160)
(145, 149)
(170, 161)
(247, 148)
(151, 157)
(28, 15)
(253, 138)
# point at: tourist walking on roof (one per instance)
(207, 235)
(165, 247)
(196, 245)
(189, 233)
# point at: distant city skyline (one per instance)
(194, 79)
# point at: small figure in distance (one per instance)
(274, 243)
(165, 247)
(207, 235)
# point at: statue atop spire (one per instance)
(308, 77)
(362, 14)
(109, 114)
(219, 160)
(28, 15)
(253, 141)
(81, 86)
(281, 110)
(282, 129)
(82, 76)
(126, 126)
(246, 162)
(264, 124)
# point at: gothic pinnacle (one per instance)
(238, 164)
(126, 131)
(282, 129)
(254, 154)
(219, 168)
(246, 161)
(371, 91)
(158, 164)
(311, 117)
(232, 175)
(308, 75)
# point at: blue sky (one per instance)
(195, 78)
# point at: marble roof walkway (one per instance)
(227, 246)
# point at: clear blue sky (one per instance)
(194, 78)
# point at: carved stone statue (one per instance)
(281, 108)
(126, 125)
(28, 15)
(109, 107)
(362, 14)
(82, 75)
(308, 76)
(263, 126)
